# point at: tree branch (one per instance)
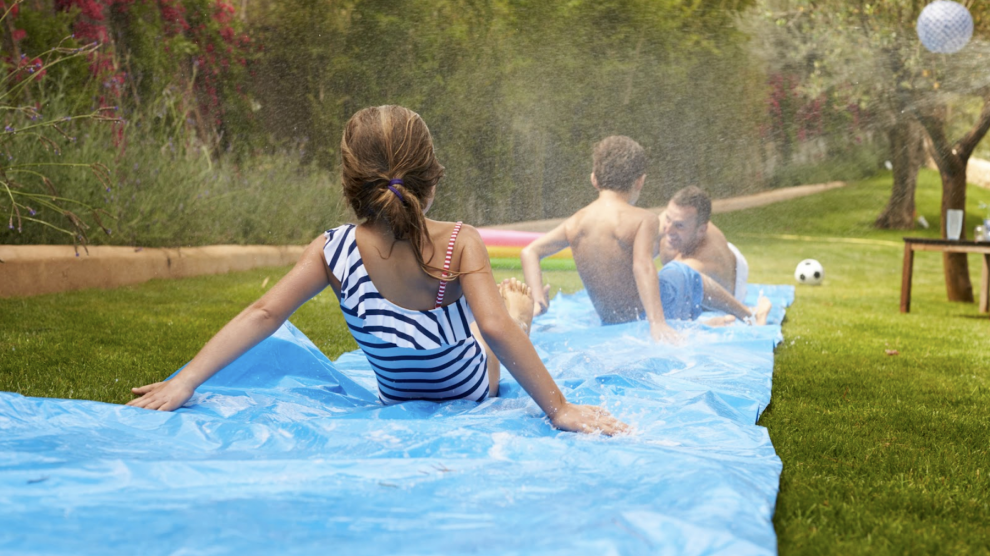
(967, 144)
(935, 127)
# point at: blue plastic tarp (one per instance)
(286, 452)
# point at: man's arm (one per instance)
(551, 242)
(645, 246)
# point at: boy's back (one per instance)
(614, 243)
(601, 237)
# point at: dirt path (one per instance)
(39, 269)
(719, 206)
(977, 172)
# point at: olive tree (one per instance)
(870, 52)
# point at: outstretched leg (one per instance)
(719, 299)
(518, 300)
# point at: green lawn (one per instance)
(883, 454)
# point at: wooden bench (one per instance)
(912, 244)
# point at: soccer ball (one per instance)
(810, 272)
(945, 27)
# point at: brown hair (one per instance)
(692, 196)
(618, 162)
(382, 144)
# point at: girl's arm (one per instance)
(513, 348)
(262, 318)
(550, 243)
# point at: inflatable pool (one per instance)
(505, 247)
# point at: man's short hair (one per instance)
(693, 196)
(618, 162)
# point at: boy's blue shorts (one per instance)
(681, 291)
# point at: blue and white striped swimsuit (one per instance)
(416, 355)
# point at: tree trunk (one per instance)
(956, 265)
(907, 156)
(952, 159)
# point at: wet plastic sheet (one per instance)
(284, 452)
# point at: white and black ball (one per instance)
(809, 272)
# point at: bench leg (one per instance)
(906, 278)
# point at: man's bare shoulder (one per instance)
(715, 239)
(714, 231)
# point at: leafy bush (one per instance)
(151, 180)
(31, 148)
(161, 191)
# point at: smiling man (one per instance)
(689, 237)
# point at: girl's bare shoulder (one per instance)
(469, 240)
(441, 231)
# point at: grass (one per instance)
(883, 454)
(96, 344)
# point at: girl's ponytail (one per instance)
(389, 170)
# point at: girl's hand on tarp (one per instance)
(163, 396)
(587, 419)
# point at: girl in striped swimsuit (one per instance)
(417, 294)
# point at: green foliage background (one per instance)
(516, 94)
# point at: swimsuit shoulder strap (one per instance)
(446, 264)
(338, 249)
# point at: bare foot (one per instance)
(763, 306)
(720, 321)
(518, 300)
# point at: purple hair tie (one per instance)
(396, 191)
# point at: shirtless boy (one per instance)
(614, 244)
(688, 236)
